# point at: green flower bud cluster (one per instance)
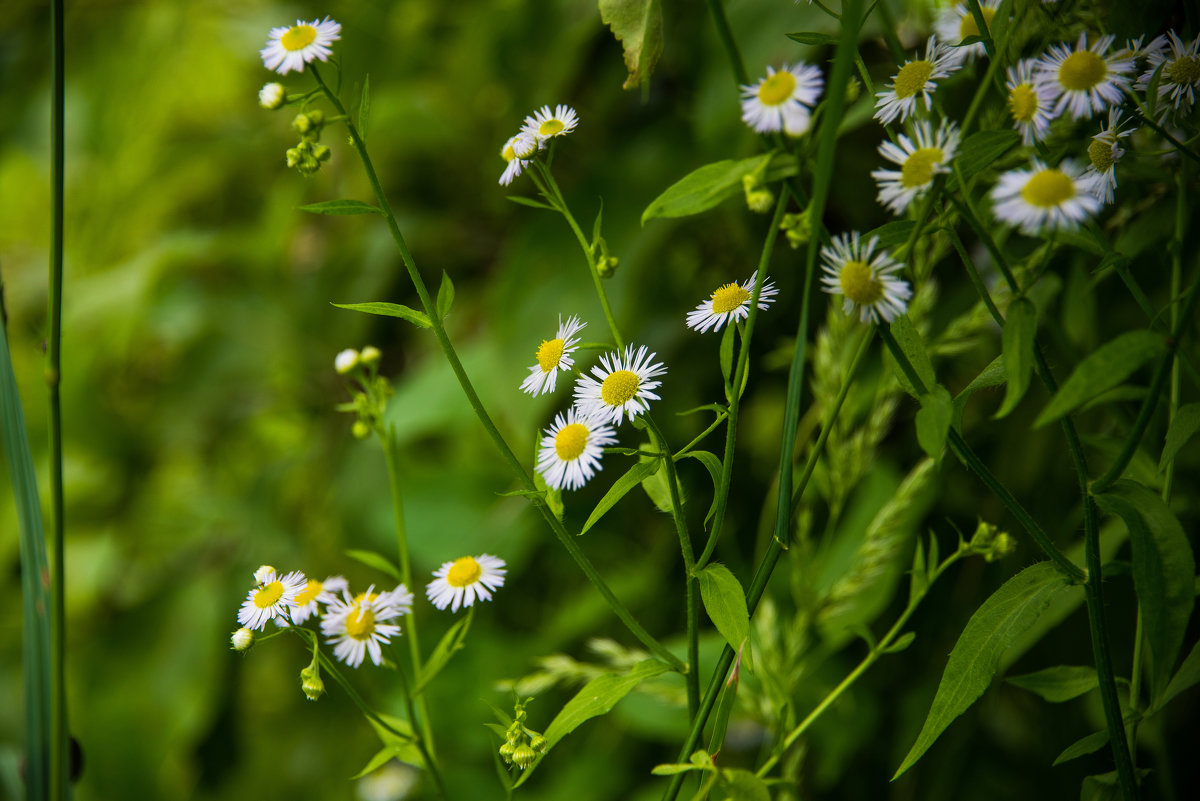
(759, 198)
(606, 265)
(991, 543)
(311, 683)
(521, 744)
(371, 390)
(309, 154)
(797, 228)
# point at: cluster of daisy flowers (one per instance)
(359, 625)
(535, 134)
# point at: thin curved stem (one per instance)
(728, 42)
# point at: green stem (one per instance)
(1165, 134)
(713, 426)
(739, 374)
(888, 27)
(728, 42)
(425, 747)
(439, 331)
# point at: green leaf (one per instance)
(1058, 684)
(702, 189)
(528, 201)
(742, 785)
(1020, 326)
(451, 643)
(656, 486)
(389, 310)
(1183, 428)
(364, 107)
(1163, 573)
(933, 421)
(713, 465)
(637, 25)
(812, 38)
(402, 747)
(1083, 746)
(725, 705)
(445, 298)
(991, 376)
(596, 698)
(1003, 617)
(978, 151)
(726, 354)
(725, 601)
(596, 226)
(1001, 21)
(901, 644)
(377, 561)
(385, 755)
(892, 234)
(1104, 786)
(634, 476)
(1185, 678)
(911, 345)
(1103, 369)
(342, 207)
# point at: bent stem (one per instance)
(460, 373)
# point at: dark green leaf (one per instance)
(1001, 619)
(979, 150)
(1103, 786)
(1183, 428)
(377, 561)
(1020, 327)
(742, 785)
(726, 354)
(445, 297)
(364, 107)
(713, 465)
(1083, 746)
(634, 476)
(725, 601)
(341, 207)
(528, 201)
(1104, 368)
(1058, 684)
(911, 345)
(725, 705)
(1163, 573)
(596, 226)
(1185, 678)
(656, 486)
(901, 644)
(389, 310)
(807, 38)
(451, 643)
(707, 186)
(991, 376)
(637, 25)
(933, 421)
(892, 234)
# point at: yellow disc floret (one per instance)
(298, 37)
(968, 27)
(268, 595)
(918, 168)
(360, 623)
(310, 591)
(1101, 154)
(464, 572)
(1081, 71)
(912, 78)
(619, 387)
(1183, 70)
(570, 441)
(859, 283)
(729, 297)
(777, 88)
(1023, 102)
(550, 127)
(549, 353)
(1048, 188)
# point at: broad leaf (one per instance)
(991, 376)
(933, 421)
(637, 25)
(1058, 684)
(445, 296)
(634, 476)
(1183, 427)
(341, 207)
(451, 643)
(979, 150)
(398, 743)
(1001, 619)
(892, 234)
(377, 561)
(389, 310)
(1020, 326)
(911, 345)
(707, 186)
(725, 601)
(1103, 369)
(743, 785)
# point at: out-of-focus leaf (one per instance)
(979, 150)
(364, 107)
(633, 476)
(451, 643)
(805, 37)
(892, 233)
(742, 785)
(1058, 684)
(389, 310)
(901, 644)
(403, 748)
(377, 561)
(528, 201)
(933, 421)
(991, 376)
(1185, 678)
(445, 296)
(637, 25)
(702, 189)
(1103, 369)
(341, 207)
(1020, 326)
(1183, 428)
(1002, 618)
(913, 347)
(1083, 746)
(656, 486)
(725, 601)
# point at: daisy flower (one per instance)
(291, 48)
(783, 100)
(1029, 103)
(544, 124)
(570, 452)
(272, 599)
(553, 355)
(1104, 152)
(916, 79)
(316, 592)
(1059, 197)
(865, 278)
(919, 162)
(730, 302)
(1180, 76)
(1084, 79)
(355, 627)
(271, 96)
(399, 600)
(517, 151)
(956, 22)
(622, 386)
(461, 582)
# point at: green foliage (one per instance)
(705, 187)
(725, 601)
(1105, 368)
(637, 24)
(341, 207)
(1020, 328)
(1058, 684)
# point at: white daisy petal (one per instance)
(545, 124)
(291, 48)
(956, 22)
(621, 387)
(1103, 154)
(553, 355)
(1031, 104)
(1179, 78)
(865, 278)
(355, 627)
(730, 302)
(1085, 80)
(917, 79)
(463, 581)
(273, 599)
(920, 161)
(1043, 197)
(783, 100)
(571, 450)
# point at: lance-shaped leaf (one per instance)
(342, 207)
(1020, 326)
(637, 25)
(634, 476)
(1103, 369)
(1060, 683)
(1183, 428)
(389, 310)
(377, 561)
(451, 643)
(911, 344)
(979, 150)
(445, 296)
(707, 186)
(1001, 619)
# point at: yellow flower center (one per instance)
(1101, 154)
(912, 78)
(1023, 103)
(549, 353)
(298, 37)
(550, 127)
(1048, 188)
(1081, 71)
(728, 298)
(464, 572)
(310, 591)
(365, 596)
(360, 623)
(507, 153)
(777, 88)
(859, 283)
(268, 595)
(570, 442)
(968, 27)
(1183, 70)
(918, 168)
(619, 387)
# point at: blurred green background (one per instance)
(198, 389)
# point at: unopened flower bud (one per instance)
(263, 573)
(360, 429)
(271, 96)
(308, 123)
(538, 743)
(607, 266)
(294, 156)
(1004, 545)
(506, 751)
(311, 684)
(370, 355)
(797, 228)
(346, 361)
(523, 756)
(758, 197)
(242, 639)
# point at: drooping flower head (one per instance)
(314, 593)
(1031, 104)
(1044, 197)
(864, 277)
(622, 386)
(917, 79)
(517, 152)
(1179, 78)
(783, 100)
(1086, 79)
(356, 627)
(1103, 154)
(273, 598)
(571, 450)
(730, 302)
(465, 580)
(553, 355)
(291, 48)
(920, 159)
